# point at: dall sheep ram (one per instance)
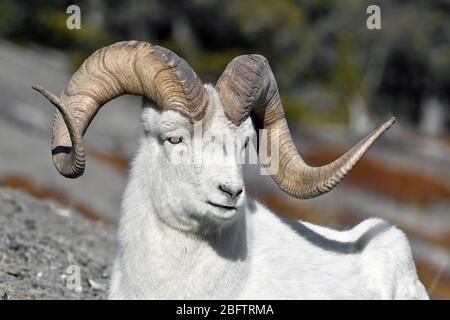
(187, 229)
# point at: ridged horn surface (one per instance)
(130, 67)
(248, 87)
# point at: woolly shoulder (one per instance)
(388, 262)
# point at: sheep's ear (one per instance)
(150, 116)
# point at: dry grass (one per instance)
(436, 281)
(48, 192)
(399, 184)
(114, 160)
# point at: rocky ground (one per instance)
(43, 246)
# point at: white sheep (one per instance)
(187, 229)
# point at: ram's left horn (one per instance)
(246, 88)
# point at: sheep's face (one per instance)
(194, 172)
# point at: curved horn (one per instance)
(131, 67)
(248, 87)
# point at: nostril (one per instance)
(225, 189)
(232, 192)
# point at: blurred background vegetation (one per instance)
(337, 79)
(326, 61)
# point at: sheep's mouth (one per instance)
(221, 206)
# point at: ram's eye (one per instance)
(175, 140)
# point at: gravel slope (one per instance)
(39, 241)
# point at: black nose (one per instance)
(233, 192)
